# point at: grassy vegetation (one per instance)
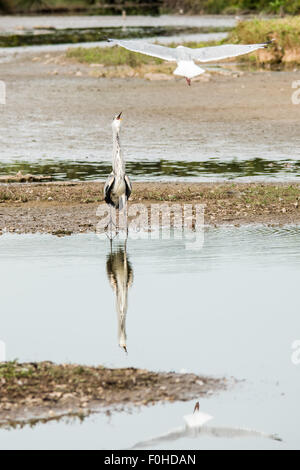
(239, 203)
(88, 6)
(285, 32)
(234, 6)
(115, 55)
(110, 56)
(173, 6)
(80, 192)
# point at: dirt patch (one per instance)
(66, 208)
(20, 178)
(31, 392)
(58, 112)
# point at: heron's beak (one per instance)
(125, 349)
(119, 116)
(197, 407)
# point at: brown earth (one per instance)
(65, 208)
(34, 392)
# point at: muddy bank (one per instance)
(66, 208)
(31, 392)
(23, 178)
(58, 111)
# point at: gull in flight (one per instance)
(185, 56)
(195, 426)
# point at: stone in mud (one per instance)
(20, 178)
(158, 76)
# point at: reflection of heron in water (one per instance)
(120, 276)
(194, 427)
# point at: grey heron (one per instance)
(185, 56)
(120, 275)
(117, 188)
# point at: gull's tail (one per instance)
(188, 69)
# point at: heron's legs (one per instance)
(189, 81)
(111, 236)
(112, 223)
(123, 221)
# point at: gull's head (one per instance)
(116, 124)
(197, 407)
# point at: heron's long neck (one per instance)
(118, 162)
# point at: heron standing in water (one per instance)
(117, 188)
(120, 276)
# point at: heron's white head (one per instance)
(116, 124)
(123, 345)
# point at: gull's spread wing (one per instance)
(207, 54)
(154, 50)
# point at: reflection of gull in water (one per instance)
(120, 276)
(198, 418)
(194, 427)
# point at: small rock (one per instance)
(96, 65)
(157, 76)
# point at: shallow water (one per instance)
(230, 309)
(161, 170)
(56, 33)
(29, 23)
(8, 54)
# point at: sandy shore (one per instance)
(66, 208)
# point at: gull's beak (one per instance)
(119, 116)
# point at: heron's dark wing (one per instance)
(128, 186)
(108, 187)
(154, 50)
(130, 277)
(208, 54)
(112, 280)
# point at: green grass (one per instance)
(11, 370)
(170, 6)
(285, 31)
(233, 6)
(110, 56)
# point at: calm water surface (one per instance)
(230, 309)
